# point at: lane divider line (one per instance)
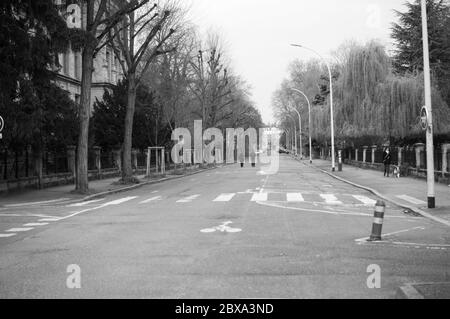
(19, 230)
(153, 199)
(7, 235)
(35, 224)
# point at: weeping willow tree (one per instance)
(374, 103)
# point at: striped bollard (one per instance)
(378, 221)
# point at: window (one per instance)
(77, 99)
(108, 65)
(66, 63)
(77, 66)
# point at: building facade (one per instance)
(107, 69)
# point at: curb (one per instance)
(128, 188)
(375, 192)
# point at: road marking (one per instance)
(224, 228)
(360, 240)
(188, 199)
(410, 292)
(365, 200)
(7, 235)
(37, 203)
(114, 202)
(224, 197)
(18, 230)
(35, 224)
(85, 203)
(331, 199)
(154, 192)
(153, 199)
(259, 197)
(295, 197)
(119, 201)
(48, 220)
(411, 200)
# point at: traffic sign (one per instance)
(424, 118)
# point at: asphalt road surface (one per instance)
(226, 233)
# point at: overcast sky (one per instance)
(258, 33)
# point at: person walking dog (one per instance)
(387, 161)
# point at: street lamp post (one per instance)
(309, 111)
(333, 155)
(300, 128)
(428, 105)
(295, 134)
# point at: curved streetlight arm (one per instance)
(309, 112)
(333, 155)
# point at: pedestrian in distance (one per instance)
(387, 162)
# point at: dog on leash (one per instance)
(396, 172)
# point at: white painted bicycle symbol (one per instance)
(224, 228)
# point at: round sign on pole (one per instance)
(424, 118)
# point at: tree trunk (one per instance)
(82, 184)
(127, 173)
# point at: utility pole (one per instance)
(428, 106)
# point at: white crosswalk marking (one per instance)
(49, 220)
(188, 199)
(331, 199)
(224, 197)
(7, 235)
(365, 200)
(294, 197)
(85, 203)
(411, 200)
(259, 197)
(153, 199)
(35, 224)
(18, 230)
(119, 201)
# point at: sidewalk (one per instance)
(407, 192)
(65, 194)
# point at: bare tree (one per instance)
(211, 84)
(101, 17)
(136, 47)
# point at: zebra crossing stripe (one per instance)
(188, 199)
(259, 197)
(153, 199)
(331, 199)
(224, 197)
(294, 197)
(365, 200)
